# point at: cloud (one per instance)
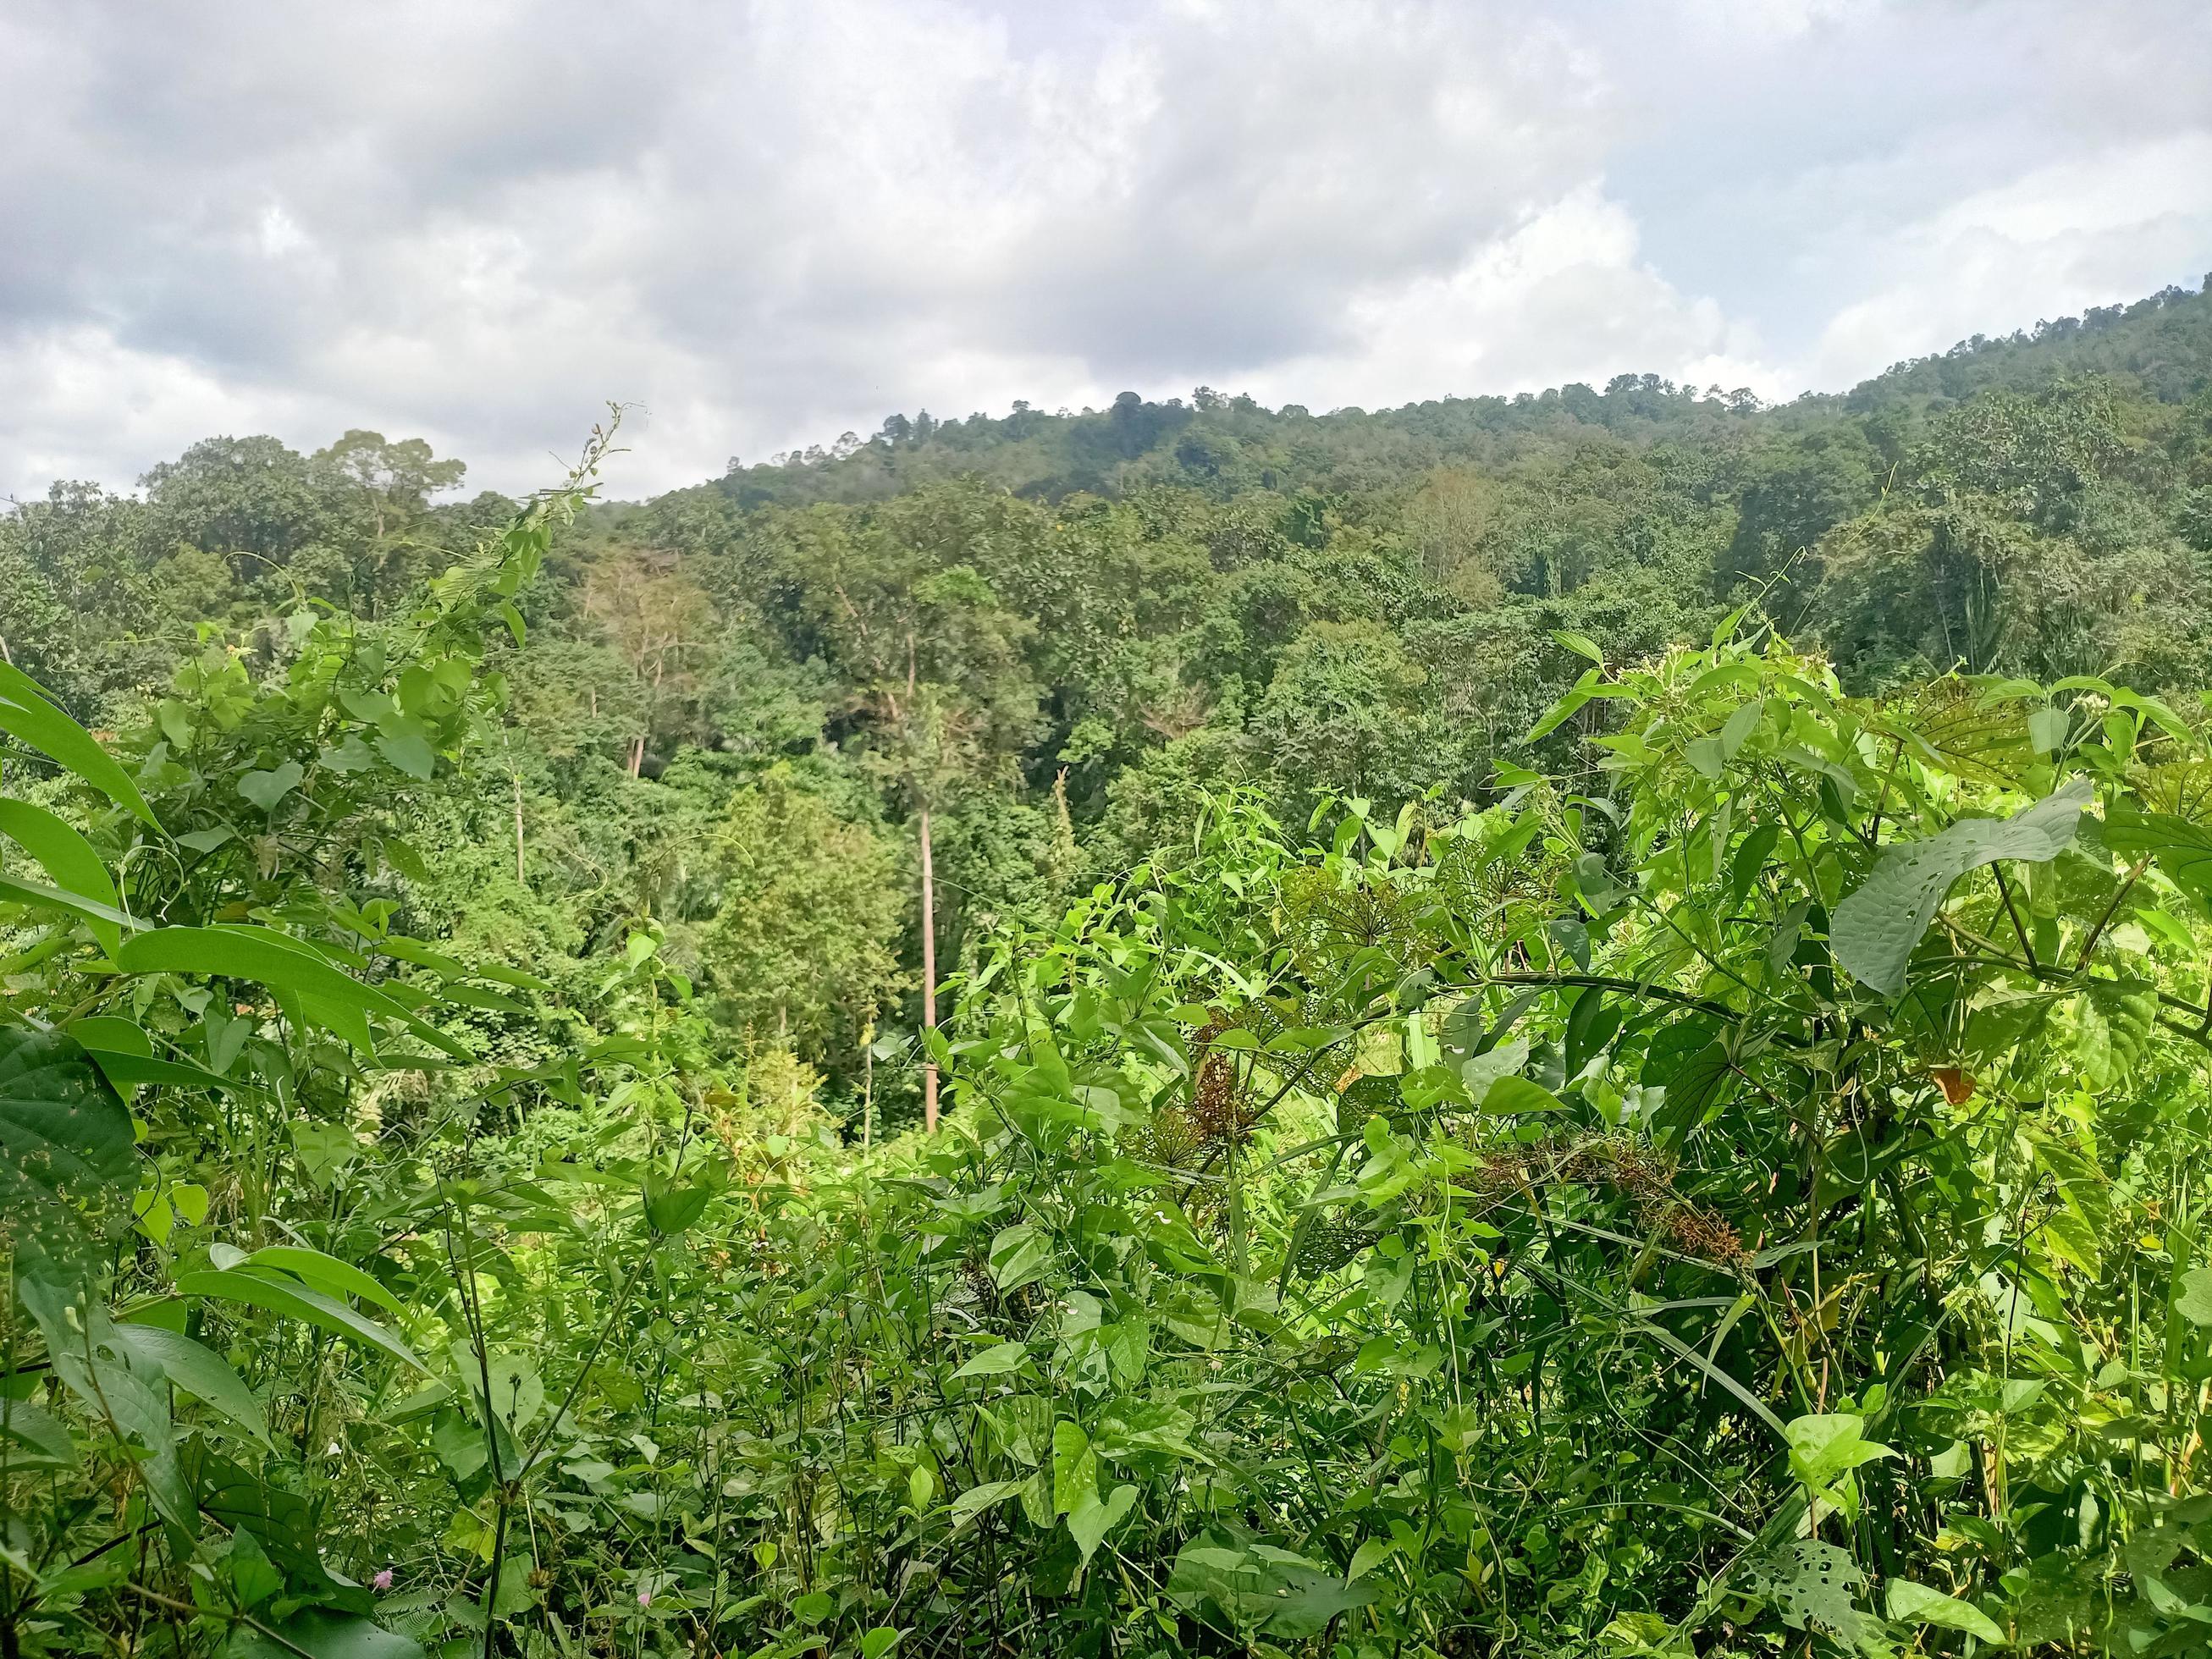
(2055, 241)
(769, 222)
(1564, 297)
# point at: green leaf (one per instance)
(321, 1635)
(1128, 1343)
(1824, 1446)
(68, 859)
(410, 752)
(1020, 1255)
(26, 714)
(2184, 850)
(112, 1033)
(1917, 1604)
(1581, 644)
(125, 1053)
(267, 789)
(1371, 1553)
(324, 1149)
(68, 1163)
(1075, 1467)
(1510, 1095)
(197, 1370)
(324, 1272)
(41, 1432)
(1564, 710)
(2047, 730)
(39, 896)
(1090, 1521)
(994, 1362)
(1876, 929)
(296, 1302)
(674, 1209)
(976, 1499)
(2193, 1296)
(1813, 1583)
(1740, 726)
(327, 997)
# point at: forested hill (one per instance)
(1571, 1028)
(1225, 445)
(1054, 633)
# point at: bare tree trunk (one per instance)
(520, 878)
(868, 1085)
(929, 981)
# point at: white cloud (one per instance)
(2051, 242)
(769, 222)
(1563, 298)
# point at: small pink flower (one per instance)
(382, 1582)
(645, 1598)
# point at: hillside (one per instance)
(1571, 1027)
(1225, 445)
(1060, 633)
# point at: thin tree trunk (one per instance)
(868, 1085)
(929, 981)
(521, 880)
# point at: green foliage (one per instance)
(1494, 1102)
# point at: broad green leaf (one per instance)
(1917, 1604)
(15, 889)
(325, 995)
(1511, 1095)
(26, 714)
(1090, 1521)
(325, 1149)
(2183, 849)
(322, 1635)
(995, 1362)
(267, 790)
(1371, 1553)
(1823, 1448)
(1740, 726)
(1128, 1342)
(1075, 1467)
(33, 1428)
(674, 1209)
(1565, 709)
(112, 1033)
(976, 1499)
(1876, 929)
(199, 1371)
(1812, 1582)
(409, 752)
(1581, 644)
(324, 1272)
(2193, 1296)
(68, 859)
(125, 1053)
(296, 1302)
(68, 1163)
(1020, 1255)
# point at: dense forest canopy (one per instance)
(1569, 1024)
(1059, 631)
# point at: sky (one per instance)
(762, 225)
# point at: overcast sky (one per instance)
(766, 224)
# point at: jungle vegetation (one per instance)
(1568, 1024)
